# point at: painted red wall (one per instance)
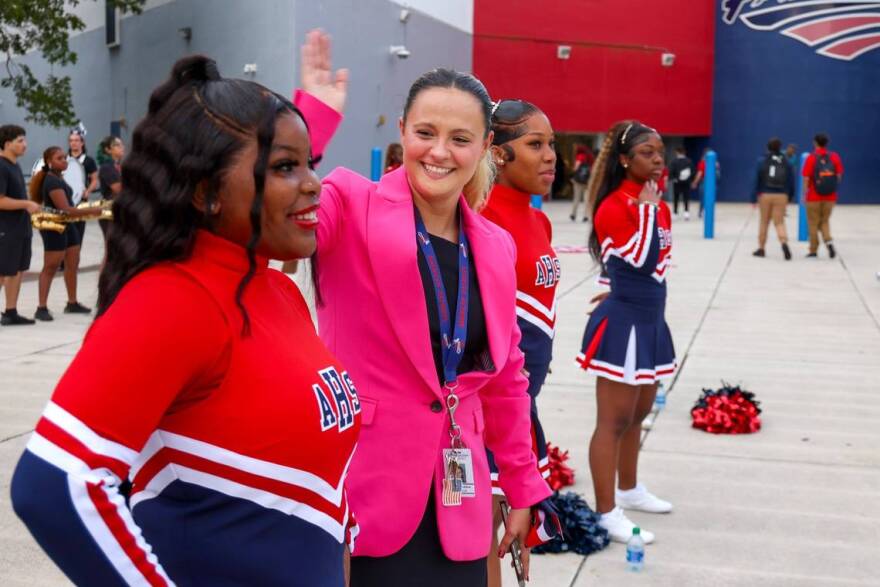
(615, 72)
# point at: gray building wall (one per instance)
(363, 31)
(115, 83)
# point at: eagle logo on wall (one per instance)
(842, 29)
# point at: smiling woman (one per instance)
(214, 397)
(418, 299)
(524, 151)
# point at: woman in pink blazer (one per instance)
(424, 518)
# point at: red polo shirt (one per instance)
(812, 196)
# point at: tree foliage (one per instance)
(44, 26)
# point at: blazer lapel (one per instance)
(392, 249)
(495, 275)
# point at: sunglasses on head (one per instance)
(509, 110)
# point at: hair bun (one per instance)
(195, 68)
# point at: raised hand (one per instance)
(316, 71)
(649, 193)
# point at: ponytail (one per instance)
(598, 171)
(35, 189)
(477, 188)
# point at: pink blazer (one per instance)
(375, 320)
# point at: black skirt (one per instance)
(420, 562)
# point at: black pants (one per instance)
(420, 562)
(680, 191)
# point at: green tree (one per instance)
(45, 26)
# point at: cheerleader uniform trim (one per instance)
(537, 276)
(627, 339)
(237, 447)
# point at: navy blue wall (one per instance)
(769, 84)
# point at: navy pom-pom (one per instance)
(580, 527)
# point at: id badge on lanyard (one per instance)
(458, 469)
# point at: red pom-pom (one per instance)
(561, 475)
(730, 410)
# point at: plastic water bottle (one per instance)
(635, 551)
(660, 398)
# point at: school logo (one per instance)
(548, 271)
(665, 237)
(841, 29)
(337, 400)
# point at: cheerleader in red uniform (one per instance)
(202, 381)
(524, 152)
(627, 343)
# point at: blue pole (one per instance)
(376, 164)
(537, 201)
(709, 185)
(803, 233)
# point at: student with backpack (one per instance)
(774, 188)
(822, 174)
(583, 161)
(681, 169)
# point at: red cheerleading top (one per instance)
(237, 446)
(636, 241)
(537, 266)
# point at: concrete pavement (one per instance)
(795, 504)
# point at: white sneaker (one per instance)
(642, 500)
(620, 528)
(687, 215)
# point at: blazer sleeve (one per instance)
(506, 407)
(321, 119)
(323, 122)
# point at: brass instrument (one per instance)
(57, 220)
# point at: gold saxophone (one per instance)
(57, 220)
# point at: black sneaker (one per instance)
(572, 217)
(811, 255)
(12, 318)
(786, 251)
(43, 315)
(759, 253)
(831, 252)
(586, 219)
(76, 308)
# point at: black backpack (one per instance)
(824, 175)
(774, 172)
(582, 173)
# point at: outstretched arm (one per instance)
(322, 93)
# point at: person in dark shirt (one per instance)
(774, 189)
(15, 223)
(681, 170)
(112, 150)
(49, 188)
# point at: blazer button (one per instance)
(436, 406)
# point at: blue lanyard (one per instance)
(452, 338)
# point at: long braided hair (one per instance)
(196, 123)
(607, 173)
